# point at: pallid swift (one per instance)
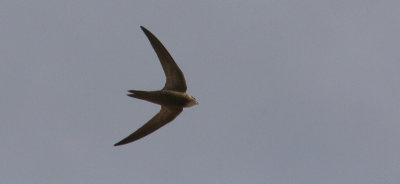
(172, 97)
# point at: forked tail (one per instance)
(137, 94)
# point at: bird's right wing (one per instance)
(163, 117)
(175, 78)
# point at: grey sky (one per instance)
(289, 91)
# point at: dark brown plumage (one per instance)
(172, 97)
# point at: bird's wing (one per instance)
(163, 117)
(175, 79)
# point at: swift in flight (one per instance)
(172, 97)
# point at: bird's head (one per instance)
(192, 101)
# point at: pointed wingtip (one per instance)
(122, 142)
(117, 144)
(143, 28)
(149, 35)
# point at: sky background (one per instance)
(289, 91)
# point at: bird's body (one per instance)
(172, 98)
(165, 98)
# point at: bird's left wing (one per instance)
(163, 117)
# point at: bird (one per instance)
(172, 97)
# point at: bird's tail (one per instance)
(137, 94)
(151, 96)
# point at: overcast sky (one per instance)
(289, 91)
